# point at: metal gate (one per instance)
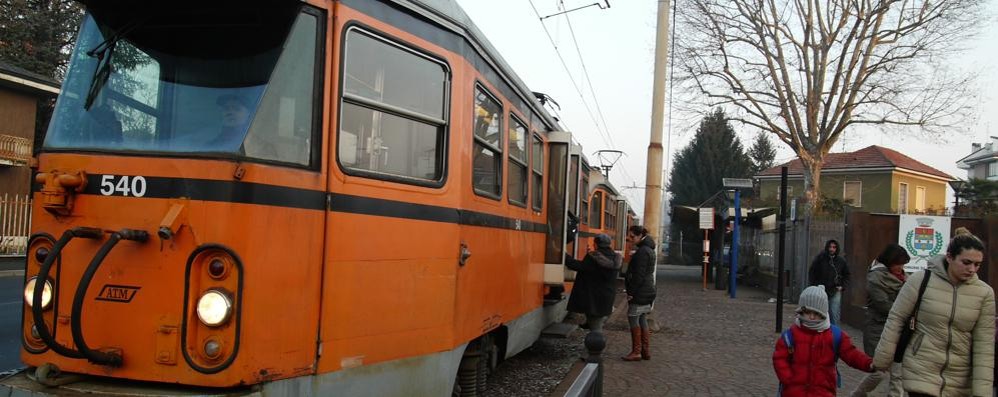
(15, 223)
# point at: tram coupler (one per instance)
(140, 236)
(87, 232)
(103, 356)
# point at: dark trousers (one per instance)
(919, 395)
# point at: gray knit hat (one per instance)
(602, 240)
(815, 299)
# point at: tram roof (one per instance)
(461, 23)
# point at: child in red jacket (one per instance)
(806, 367)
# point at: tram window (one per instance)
(608, 220)
(538, 173)
(595, 210)
(283, 127)
(487, 152)
(517, 161)
(169, 85)
(584, 192)
(573, 185)
(392, 120)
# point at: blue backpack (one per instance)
(788, 339)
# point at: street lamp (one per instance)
(958, 186)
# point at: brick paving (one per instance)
(707, 344)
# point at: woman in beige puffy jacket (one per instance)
(951, 352)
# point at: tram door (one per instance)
(557, 208)
(574, 166)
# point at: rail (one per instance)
(14, 150)
(15, 222)
(589, 382)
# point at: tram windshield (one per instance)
(223, 82)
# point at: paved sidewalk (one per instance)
(708, 344)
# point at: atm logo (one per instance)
(117, 293)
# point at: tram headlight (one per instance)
(29, 293)
(214, 308)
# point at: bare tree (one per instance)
(808, 70)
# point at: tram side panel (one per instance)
(394, 286)
(391, 245)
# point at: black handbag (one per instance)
(909, 325)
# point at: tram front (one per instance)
(179, 200)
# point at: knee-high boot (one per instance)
(635, 354)
(645, 345)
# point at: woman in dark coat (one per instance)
(640, 284)
(593, 291)
(883, 282)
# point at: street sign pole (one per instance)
(783, 239)
(737, 184)
(706, 257)
(734, 243)
(706, 223)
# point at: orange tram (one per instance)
(602, 210)
(281, 198)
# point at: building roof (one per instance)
(869, 157)
(23, 80)
(984, 153)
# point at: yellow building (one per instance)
(873, 179)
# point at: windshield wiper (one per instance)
(103, 53)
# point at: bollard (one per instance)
(589, 381)
(595, 343)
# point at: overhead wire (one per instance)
(567, 70)
(585, 72)
(604, 137)
(599, 111)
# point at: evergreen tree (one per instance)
(979, 198)
(697, 172)
(37, 36)
(714, 153)
(762, 152)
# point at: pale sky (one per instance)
(617, 47)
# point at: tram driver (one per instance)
(235, 113)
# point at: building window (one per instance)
(852, 193)
(486, 160)
(790, 192)
(517, 162)
(538, 172)
(920, 199)
(993, 169)
(902, 198)
(393, 114)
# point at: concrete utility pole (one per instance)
(653, 175)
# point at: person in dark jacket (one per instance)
(883, 282)
(640, 285)
(593, 292)
(829, 270)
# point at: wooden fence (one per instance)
(15, 222)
